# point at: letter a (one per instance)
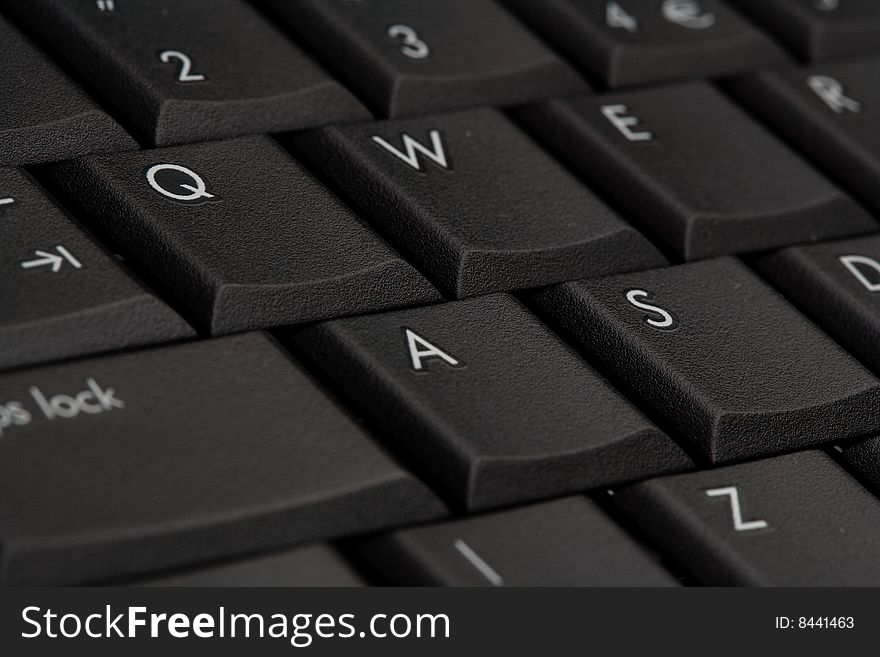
(420, 349)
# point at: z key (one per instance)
(721, 356)
(626, 42)
(411, 57)
(190, 70)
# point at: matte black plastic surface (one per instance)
(269, 246)
(518, 415)
(61, 294)
(485, 210)
(194, 452)
(726, 360)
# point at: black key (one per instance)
(62, 295)
(155, 459)
(476, 203)
(33, 130)
(726, 360)
(694, 169)
(240, 235)
(568, 542)
(632, 41)
(313, 565)
(821, 29)
(504, 411)
(830, 112)
(190, 70)
(422, 56)
(838, 285)
(793, 520)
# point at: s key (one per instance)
(721, 356)
(239, 235)
(567, 542)
(820, 29)
(190, 70)
(504, 411)
(694, 170)
(156, 459)
(475, 202)
(792, 520)
(422, 56)
(62, 294)
(626, 42)
(830, 112)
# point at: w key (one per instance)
(792, 520)
(693, 169)
(239, 235)
(190, 70)
(722, 357)
(476, 203)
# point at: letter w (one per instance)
(412, 148)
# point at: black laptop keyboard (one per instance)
(450, 292)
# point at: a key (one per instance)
(312, 565)
(240, 235)
(421, 56)
(722, 356)
(697, 171)
(626, 42)
(488, 400)
(830, 112)
(478, 205)
(792, 520)
(567, 542)
(838, 285)
(820, 29)
(156, 459)
(62, 295)
(190, 70)
(33, 130)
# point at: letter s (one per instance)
(668, 322)
(24, 617)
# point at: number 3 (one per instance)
(185, 74)
(412, 46)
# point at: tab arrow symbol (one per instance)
(50, 259)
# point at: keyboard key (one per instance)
(62, 295)
(421, 56)
(156, 459)
(838, 285)
(723, 357)
(568, 542)
(313, 565)
(505, 412)
(793, 520)
(475, 203)
(821, 29)
(240, 235)
(33, 130)
(632, 42)
(693, 169)
(830, 112)
(190, 70)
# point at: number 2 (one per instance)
(185, 73)
(413, 46)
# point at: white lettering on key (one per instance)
(687, 13)
(667, 321)
(54, 260)
(7, 201)
(477, 562)
(617, 115)
(616, 16)
(13, 414)
(733, 494)
(197, 191)
(852, 262)
(832, 94)
(421, 350)
(436, 153)
(91, 401)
